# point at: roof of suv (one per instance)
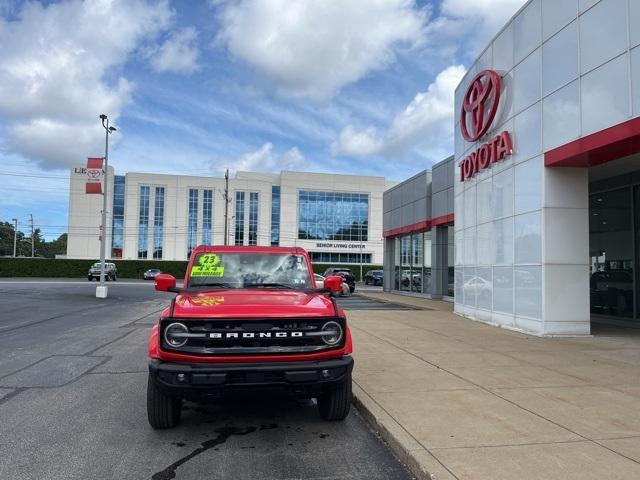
(246, 249)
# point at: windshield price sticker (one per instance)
(208, 266)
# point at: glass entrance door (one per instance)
(612, 233)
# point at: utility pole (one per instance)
(101, 290)
(226, 207)
(32, 245)
(15, 236)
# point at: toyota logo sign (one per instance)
(480, 105)
(479, 108)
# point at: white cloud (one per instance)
(265, 160)
(313, 48)
(178, 54)
(480, 20)
(426, 121)
(59, 71)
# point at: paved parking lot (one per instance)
(72, 402)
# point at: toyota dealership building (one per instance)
(547, 182)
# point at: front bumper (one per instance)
(191, 380)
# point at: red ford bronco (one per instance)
(249, 318)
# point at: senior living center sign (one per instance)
(479, 107)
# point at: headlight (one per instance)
(176, 334)
(336, 333)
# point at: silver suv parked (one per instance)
(110, 272)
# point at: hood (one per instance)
(243, 303)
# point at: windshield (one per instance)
(238, 270)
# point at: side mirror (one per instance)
(165, 282)
(333, 283)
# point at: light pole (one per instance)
(101, 290)
(15, 236)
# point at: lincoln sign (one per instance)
(479, 108)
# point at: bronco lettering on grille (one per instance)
(222, 336)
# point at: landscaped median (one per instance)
(458, 399)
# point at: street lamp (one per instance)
(101, 289)
(15, 236)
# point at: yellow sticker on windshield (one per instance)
(208, 266)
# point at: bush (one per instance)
(48, 267)
(67, 268)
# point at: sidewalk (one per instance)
(458, 399)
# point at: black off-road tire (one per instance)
(163, 411)
(335, 403)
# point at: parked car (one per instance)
(344, 273)
(248, 319)
(374, 277)
(151, 273)
(320, 284)
(110, 272)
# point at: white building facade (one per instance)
(548, 171)
(337, 218)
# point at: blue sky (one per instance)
(348, 86)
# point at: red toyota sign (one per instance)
(479, 107)
(94, 175)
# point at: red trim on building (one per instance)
(423, 226)
(604, 146)
(444, 219)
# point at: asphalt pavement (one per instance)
(73, 373)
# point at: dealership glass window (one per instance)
(426, 262)
(484, 287)
(526, 30)
(560, 59)
(528, 238)
(339, 257)
(405, 263)
(117, 227)
(503, 289)
(207, 216)
(503, 194)
(253, 218)
(555, 15)
(527, 88)
(528, 286)
(561, 116)
(528, 179)
(611, 251)
(469, 286)
(333, 216)
(143, 222)
(192, 221)
(239, 233)
(603, 33)
(275, 215)
(397, 263)
(450, 260)
(605, 95)
(529, 143)
(158, 223)
(503, 241)
(417, 246)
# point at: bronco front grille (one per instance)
(254, 336)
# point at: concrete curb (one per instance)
(418, 460)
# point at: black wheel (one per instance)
(163, 411)
(335, 403)
(114, 277)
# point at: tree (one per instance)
(42, 248)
